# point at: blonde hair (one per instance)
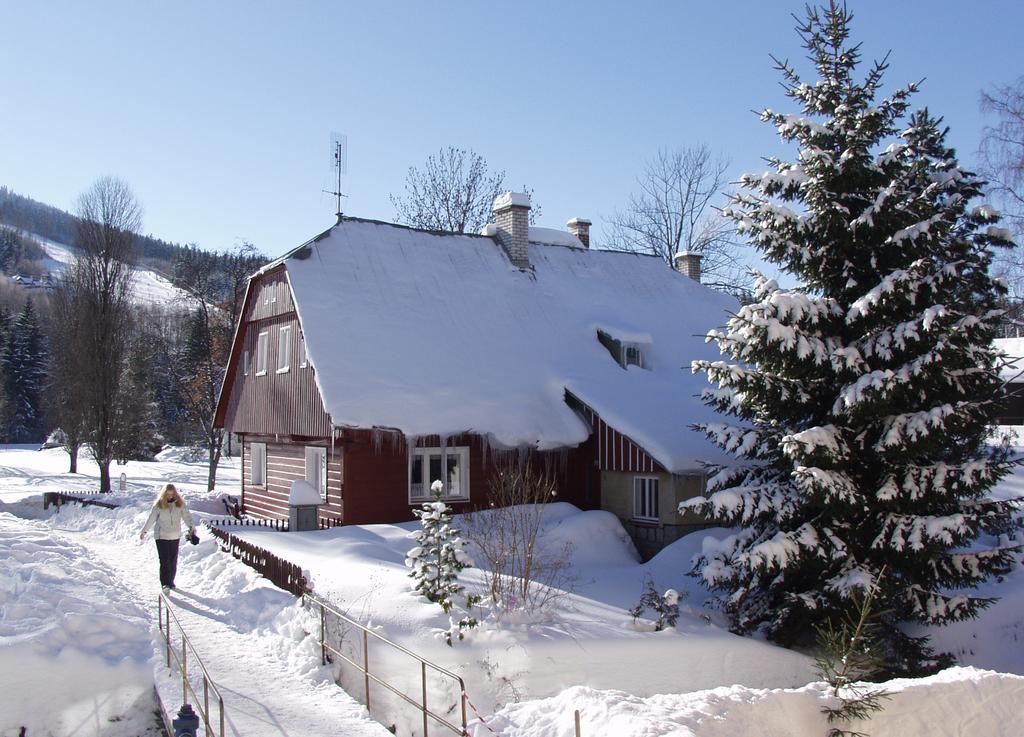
(161, 498)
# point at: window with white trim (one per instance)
(625, 353)
(284, 349)
(645, 498)
(261, 352)
(258, 464)
(303, 359)
(316, 469)
(426, 466)
(245, 362)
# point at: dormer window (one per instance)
(633, 355)
(625, 353)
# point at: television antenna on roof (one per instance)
(339, 153)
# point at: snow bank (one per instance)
(74, 650)
(956, 702)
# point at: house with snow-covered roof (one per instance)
(376, 359)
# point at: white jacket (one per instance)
(168, 521)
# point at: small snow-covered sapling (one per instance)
(666, 605)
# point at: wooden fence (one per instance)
(280, 525)
(58, 498)
(281, 573)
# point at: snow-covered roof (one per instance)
(439, 334)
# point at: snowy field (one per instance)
(79, 652)
(148, 287)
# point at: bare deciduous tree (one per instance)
(1002, 163)
(99, 287)
(521, 572)
(453, 192)
(671, 212)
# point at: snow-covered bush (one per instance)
(666, 605)
(862, 396)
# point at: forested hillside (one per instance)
(171, 363)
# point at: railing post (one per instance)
(220, 700)
(463, 700)
(576, 714)
(206, 705)
(167, 633)
(366, 667)
(184, 669)
(323, 635)
(423, 678)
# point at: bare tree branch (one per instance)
(453, 192)
(671, 211)
(1002, 162)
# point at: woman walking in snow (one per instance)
(169, 511)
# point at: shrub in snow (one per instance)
(665, 606)
(437, 559)
(521, 574)
(864, 395)
(847, 656)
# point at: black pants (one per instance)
(167, 550)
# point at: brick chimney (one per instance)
(688, 264)
(581, 229)
(512, 219)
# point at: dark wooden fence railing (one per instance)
(281, 573)
(63, 497)
(281, 525)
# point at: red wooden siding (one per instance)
(286, 403)
(271, 296)
(374, 476)
(286, 462)
(614, 451)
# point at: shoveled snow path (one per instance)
(261, 695)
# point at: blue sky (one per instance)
(219, 114)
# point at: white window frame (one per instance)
(262, 349)
(245, 362)
(316, 469)
(638, 352)
(645, 496)
(284, 349)
(302, 352)
(461, 494)
(258, 462)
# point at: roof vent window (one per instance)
(625, 353)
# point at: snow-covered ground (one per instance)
(80, 654)
(148, 287)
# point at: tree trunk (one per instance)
(73, 453)
(215, 444)
(104, 476)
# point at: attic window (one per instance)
(625, 353)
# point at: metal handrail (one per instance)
(164, 605)
(364, 667)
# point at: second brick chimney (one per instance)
(581, 229)
(688, 264)
(512, 220)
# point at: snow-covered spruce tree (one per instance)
(864, 396)
(438, 556)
